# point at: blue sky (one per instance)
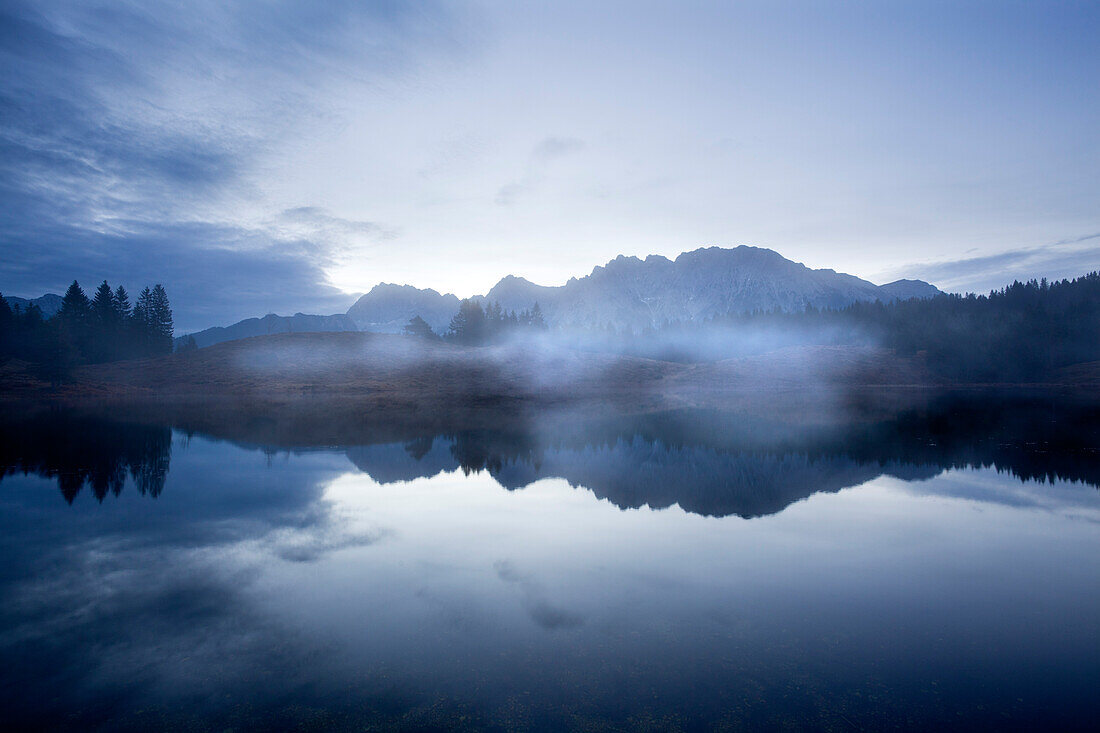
(282, 156)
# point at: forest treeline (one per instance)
(105, 327)
(1024, 332)
(474, 325)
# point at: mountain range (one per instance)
(627, 293)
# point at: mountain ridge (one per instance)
(49, 304)
(270, 324)
(634, 293)
(628, 293)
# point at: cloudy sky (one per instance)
(285, 155)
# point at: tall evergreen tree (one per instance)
(122, 304)
(103, 303)
(160, 321)
(537, 320)
(140, 324)
(74, 306)
(124, 340)
(468, 325)
(74, 318)
(105, 325)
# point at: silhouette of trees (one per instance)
(82, 451)
(477, 326)
(74, 306)
(106, 325)
(104, 328)
(122, 303)
(160, 322)
(418, 327)
(1025, 332)
(468, 326)
(534, 318)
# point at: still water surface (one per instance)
(154, 579)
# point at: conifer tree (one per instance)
(103, 303)
(105, 325)
(468, 325)
(140, 328)
(74, 306)
(160, 321)
(418, 327)
(122, 304)
(537, 320)
(73, 324)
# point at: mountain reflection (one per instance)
(707, 463)
(718, 464)
(633, 472)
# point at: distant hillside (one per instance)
(49, 303)
(907, 290)
(270, 324)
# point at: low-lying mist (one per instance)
(707, 342)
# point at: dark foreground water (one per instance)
(688, 571)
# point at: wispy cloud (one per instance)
(130, 136)
(1064, 258)
(542, 155)
(216, 273)
(557, 147)
(542, 611)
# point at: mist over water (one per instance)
(693, 569)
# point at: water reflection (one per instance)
(709, 463)
(84, 450)
(936, 569)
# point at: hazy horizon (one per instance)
(285, 310)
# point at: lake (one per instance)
(936, 568)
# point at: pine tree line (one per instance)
(474, 325)
(103, 328)
(1024, 332)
